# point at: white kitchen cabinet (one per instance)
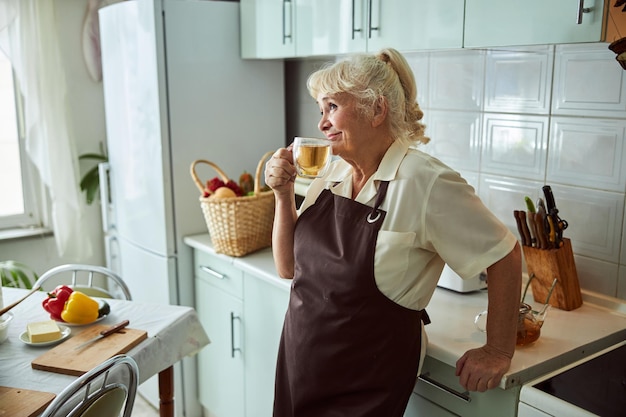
(491, 23)
(419, 406)
(221, 364)
(264, 308)
(329, 27)
(268, 28)
(235, 305)
(439, 385)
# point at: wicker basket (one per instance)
(238, 225)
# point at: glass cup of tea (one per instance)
(311, 156)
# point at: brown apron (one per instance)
(346, 349)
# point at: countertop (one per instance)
(566, 336)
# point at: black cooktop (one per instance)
(598, 385)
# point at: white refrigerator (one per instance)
(176, 90)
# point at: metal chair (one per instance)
(92, 280)
(104, 391)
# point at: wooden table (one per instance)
(174, 332)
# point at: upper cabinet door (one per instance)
(268, 28)
(331, 27)
(491, 23)
(414, 24)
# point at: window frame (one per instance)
(33, 192)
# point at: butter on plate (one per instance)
(43, 331)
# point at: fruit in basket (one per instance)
(235, 187)
(213, 184)
(223, 192)
(246, 182)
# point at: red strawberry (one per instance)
(214, 183)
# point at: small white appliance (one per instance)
(452, 281)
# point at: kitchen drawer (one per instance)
(419, 406)
(440, 385)
(219, 272)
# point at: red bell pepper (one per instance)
(55, 302)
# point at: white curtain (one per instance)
(29, 37)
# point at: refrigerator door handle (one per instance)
(103, 173)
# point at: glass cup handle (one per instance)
(477, 321)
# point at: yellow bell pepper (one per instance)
(80, 309)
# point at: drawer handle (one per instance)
(460, 395)
(233, 349)
(212, 272)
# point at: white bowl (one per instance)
(5, 319)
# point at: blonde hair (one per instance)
(369, 77)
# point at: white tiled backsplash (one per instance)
(513, 120)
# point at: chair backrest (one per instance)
(93, 280)
(104, 391)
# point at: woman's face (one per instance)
(343, 124)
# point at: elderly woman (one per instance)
(366, 249)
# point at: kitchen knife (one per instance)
(525, 230)
(541, 239)
(533, 229)
(555, 222)
(520, 230)
(104, 333)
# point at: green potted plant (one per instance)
(90, 182)
(17, 275)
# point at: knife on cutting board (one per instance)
(104, 333)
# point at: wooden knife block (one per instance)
(547, 264)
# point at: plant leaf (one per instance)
(94, 156)
(90, 183)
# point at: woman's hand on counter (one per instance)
(482, 369)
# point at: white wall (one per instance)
(85, 99)
(513, 120)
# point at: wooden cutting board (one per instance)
(66, 359)
(16, 402)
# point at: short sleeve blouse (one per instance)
(433, 217)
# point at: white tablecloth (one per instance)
(173, 333)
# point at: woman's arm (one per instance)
(280, 175)
(482, 369)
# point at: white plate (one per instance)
(65, 332)
(78, 324)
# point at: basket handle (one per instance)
(259, 169)
(222, 174)
(197, 180)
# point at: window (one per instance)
(18, 190)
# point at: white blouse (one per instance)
(433, 217)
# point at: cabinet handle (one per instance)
(370, 27)
(354, 13)
(212, 272)
(581, 9)
(286, 13)
(425, 377)
(233, 349)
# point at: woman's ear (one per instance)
(380, 111)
